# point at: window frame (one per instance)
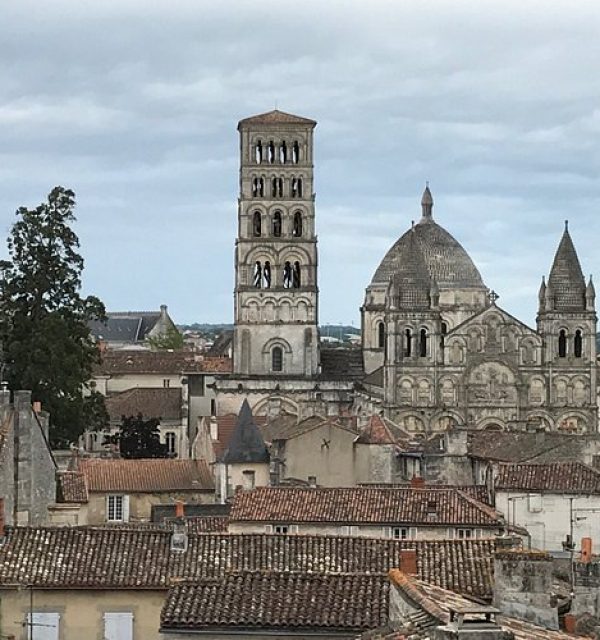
(120, 502)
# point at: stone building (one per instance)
(437, 350)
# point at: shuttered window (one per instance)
(118, 626)
(43, 626)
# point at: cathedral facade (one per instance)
(437, 350)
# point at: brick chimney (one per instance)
(417, 482)
(408, 562)
(179, 509)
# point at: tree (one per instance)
(139, 438)
(172, 339)
(47, 346)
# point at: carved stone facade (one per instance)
(452, 357)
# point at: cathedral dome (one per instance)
(447, 263)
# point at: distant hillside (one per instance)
(210, 331)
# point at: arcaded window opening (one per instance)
(407, 343)
(287, 275)
(381, 335)
(267, 275)
(423, 343)
(297, 226)
(277, 224)
(257, 224)
(562, 344)
(277, 359)
(283, 153)
(295, 152)
(578, 344)
(257, 275)
(258, 152)
(296, 281)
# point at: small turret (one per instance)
(427, 204)
(542, 294)
(549, 302)
(590, 296)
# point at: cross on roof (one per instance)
(493, 296)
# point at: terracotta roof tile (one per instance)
(128, 556)
(146, 475)
(70, 487)
(560, 477)
(122, 362)
(279, 601)
(478, 491)
(150, 402)
(362, 505)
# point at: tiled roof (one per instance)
(70, 487)
(363, 505)
(146, 475)
(566, 280)
(122, 362)
(150, 402)
(436, 603)
(559, 477)
(477, 492)
(222, 344)
(217, 364)
(207, 524)
(127, 557)
(225, 427)
(380, 430)
(279, 601)
(275, 117)
(341, 363)
(286, 427)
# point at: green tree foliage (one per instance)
(139, 438)
(45, 336)
(172, 339)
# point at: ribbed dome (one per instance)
(448, 264)
(410, 282)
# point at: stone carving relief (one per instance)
(536, 391)
(406, 392)
(580, 392)
(456, 352)
(411, 423)
(423, 392)
(561, 391)
(492, 382)
(448, 392)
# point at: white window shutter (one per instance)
(107, 509)
(44, 626)
(269, 528)
(451, 533)
(118, 626)
(412, 533)
(293, 528)
(387, 532)
(125, 508)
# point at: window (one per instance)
(296, 187)
(170, 440)
(258, 152)
(407, 343)
(117, 508)
(271, 152)
(277, 224)
(295, 152)
(465, 534)
(297, 226)
(43, 625)
(423, 343)
(400, 533)
(118, 626)
(381, 335)
(562, 344)
(258, 187)
(578, 344)
(444, 331)
(287, 275)
(257, 275)
(166, 383)
(281, 528)
(296, 281)
(277, 359)
(267, 275)
(283, 153)
(256, 224)
(249, 479)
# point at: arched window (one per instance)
(267, 275)
(407, 343)
(578, 344)
(280, 187)
(381, 335)
(258, 188)
(287, 275)
(170, 440)
(257, 275)
(258, 152)
(277, 224)
(562, 344)
(277, 359)
(283, 153)
(299, 188)
(296, 187)
(444, 330)
(274, 185)
(297, 226)
(296, 282)
(256, 224)
(271, 152)
(423, 343)
(295, 152)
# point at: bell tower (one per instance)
(276, 293)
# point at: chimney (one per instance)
(37, 406)
(417, 482)
(476, 622)
(408, 561)
(179, 509)
(163, 310)
(586, 550)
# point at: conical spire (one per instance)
(427, 203)
(247, 443)
(566, 278)
(542, 293)
(590, 295)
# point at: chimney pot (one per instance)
(179, 509)
(408, 561)
(417, 482)
(586, 550)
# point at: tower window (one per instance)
(258, 188)
(444, 331)
(258, 152)
(562, 344)
(296, 275)
(267, 275)
(256, 224)
(296, 187)
(295, 152)
(381, 335)
(423, 343)
(280, 187)
(297, 226)
(257, 275)
(407, 343)
(271, 152)
(273, 187)
(283, 153)
(277, 359)
(277, 224)
(578, 344)
(287, 275)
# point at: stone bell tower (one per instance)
(276, 294)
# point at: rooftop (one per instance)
(275, 117)
(558, 477)
(123, 362)
(156, 402)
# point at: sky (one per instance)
(134, 105)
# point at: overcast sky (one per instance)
(134, 104)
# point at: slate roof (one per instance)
(273, 118)
(246, 443)
(279, 602)
(222, 344)
(286, 427)
(123, 362)
(71, 487)
(341, 363)
(140, 557)
(435, 602)
(362, 505)
(146, 475)
(154, 402)
(554, 477)
(410, 279)
(566, 280)
(225, 427)
(128, 326)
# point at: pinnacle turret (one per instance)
(427, 203)
(566, 278)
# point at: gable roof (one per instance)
(362, 505)
(246, 443)
(279, 601)
(125, 326)
(71, 487)
(156, 402)
(275, 117)
(380, 430)
(140, 557)
(494, 308)
(146, 475)
(558, 477)
(123, 362)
